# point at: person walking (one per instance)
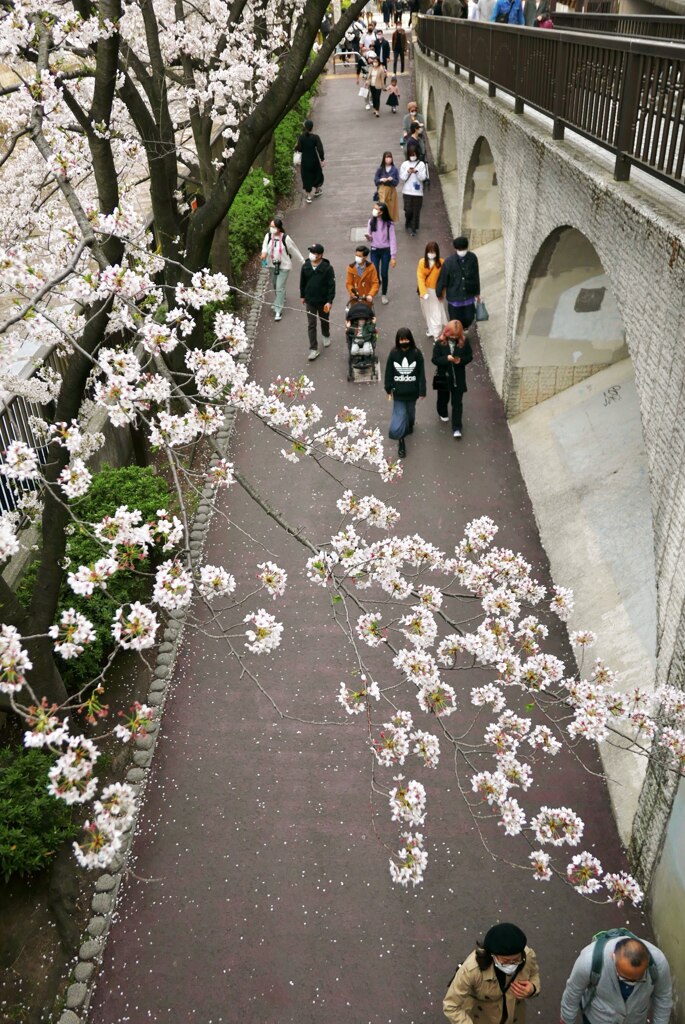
(382, 48)
(375, 82)
(399, 48)
(362, 278)
(495, 981)
(413, 174)
(427, 273)
(277, 254)
(416, 136)
(405, 383)
(311, 168)
(618, 977)
(508, 12)
(386, 179)
(380, 233)
(451, 355)
(411, 116)
(459, 282)
(393, 100)
(317, 291)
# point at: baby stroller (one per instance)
(361, 336)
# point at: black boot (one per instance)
(402, 449)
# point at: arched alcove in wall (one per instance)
(577, 429)
(431, 120)
(446, 160)
(568, 318)
(481, 218)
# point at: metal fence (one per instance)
(625, 95)
(16, 414)
(645, 26)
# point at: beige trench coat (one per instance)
(474, 997)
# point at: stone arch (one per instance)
(431, 119)
(569, 325)
(481, 217)
(447, 148)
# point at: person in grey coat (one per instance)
(634, 983)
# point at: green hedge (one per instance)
(248, 218)
(128, 485)
(33, 825)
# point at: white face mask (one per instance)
(413, 159)
(462, 252)
(358, 259)
(274, 231)
(506, 968)
(314, 257)
(376, 212)
(431, 257)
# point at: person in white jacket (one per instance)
(413, 173)
(278, 250)
(632, 982)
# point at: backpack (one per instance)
(600, 940)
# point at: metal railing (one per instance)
(628, 96)
(645, 26)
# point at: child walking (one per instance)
(393, 100)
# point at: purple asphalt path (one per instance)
(262, 894)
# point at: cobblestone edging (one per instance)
(107, 885)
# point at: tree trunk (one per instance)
(221, 255)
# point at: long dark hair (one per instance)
(404, 334)
(432, 247)
(382, 163)
(384, 216)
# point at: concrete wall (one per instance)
(545, 187)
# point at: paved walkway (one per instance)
(268, 898)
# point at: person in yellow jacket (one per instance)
(362, 278)
(432, 307)
(496, 981)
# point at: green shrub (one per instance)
(285, 140)
(248, 219)
(33, 824)
(128, 485)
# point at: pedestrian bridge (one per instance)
(572, 197)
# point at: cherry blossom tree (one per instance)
(109, 99)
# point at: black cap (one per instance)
(316, 248)
(504, 940)
(461, 243)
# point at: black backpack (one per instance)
(600, 940)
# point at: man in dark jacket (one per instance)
(451, 355)
(459, 280)
(382, 48)
(317, 291)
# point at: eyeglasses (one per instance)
(510, 959)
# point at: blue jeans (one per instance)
(279, 279)
(402, 419)
(381, 261)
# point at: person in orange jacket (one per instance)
(362, 279)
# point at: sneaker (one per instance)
(326, 342)
(413, 234)
(457, 433)
(278, 316)
(402, 450)
(313, 354)
(445, 419)
(318, 192)
(308, 199)
(368, 106)
(384, 299)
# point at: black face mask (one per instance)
(404, 347)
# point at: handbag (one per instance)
(481, 311)
(440, 383)
(297, 159)
(364, 92)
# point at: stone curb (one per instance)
(107, 885)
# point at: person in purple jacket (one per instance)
(380, 233)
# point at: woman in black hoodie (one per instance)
(405, 381)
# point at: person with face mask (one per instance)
(317, 291)
(380, 233)
(382, 48)
(386, 179)
(405, 383)
(427, 274)
(497, 979)
(278, 250)
(459, 283)
(409, 118)
(618, 977)
(413, 173)
(362, 280)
